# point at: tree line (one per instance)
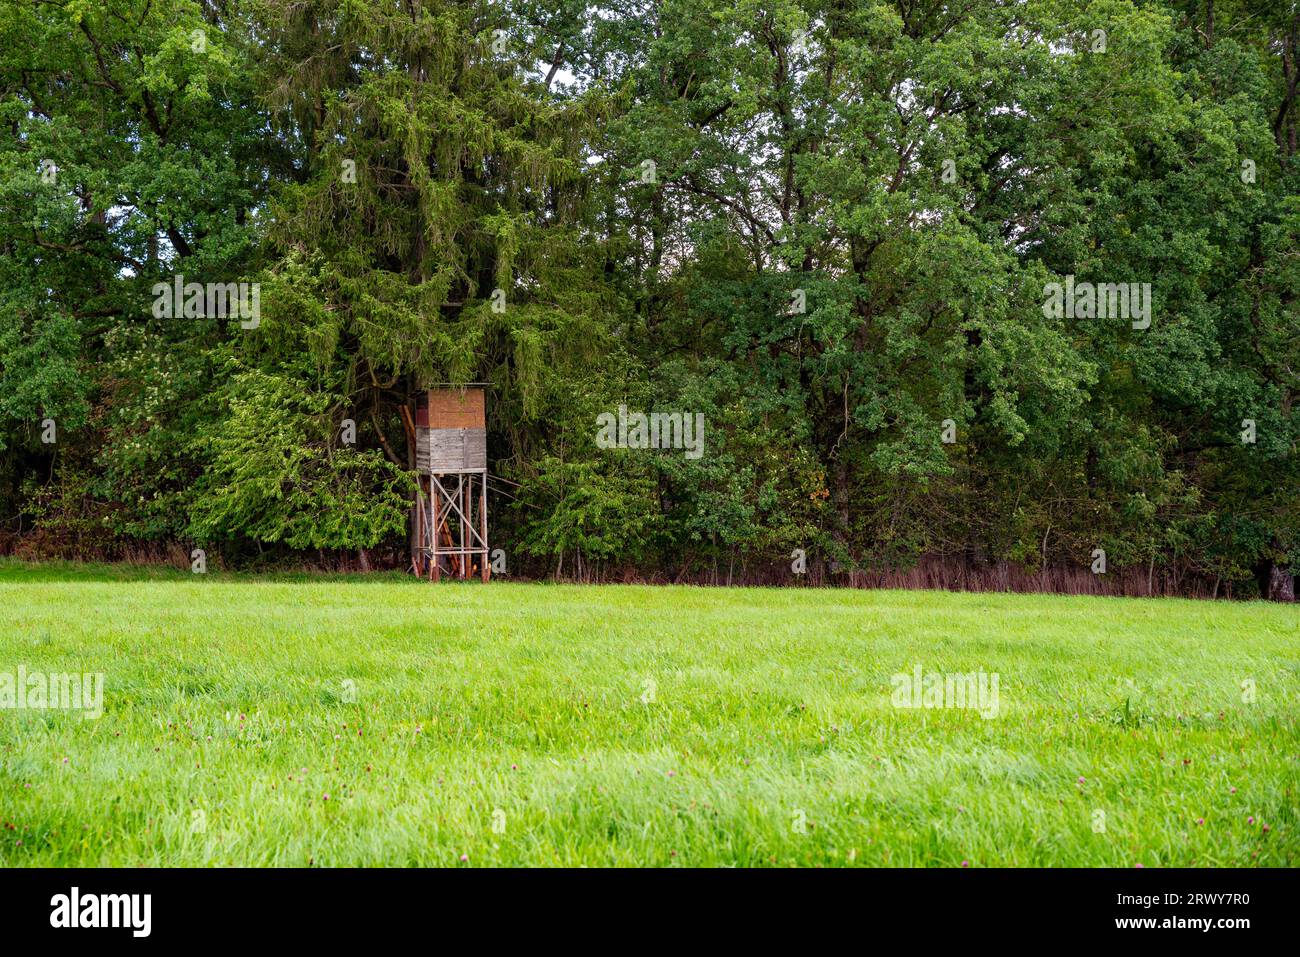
(977, 295)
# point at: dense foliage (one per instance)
(829, 226)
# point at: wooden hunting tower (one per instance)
(451, 459)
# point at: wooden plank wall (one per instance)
(438, 451)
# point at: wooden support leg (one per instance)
(464, 536)
(435, 572)
(482, 523)
(417, 557)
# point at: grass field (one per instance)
(556, 725)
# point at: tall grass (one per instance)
(357, 721)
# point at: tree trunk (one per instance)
(413, 514)
(1281, 583)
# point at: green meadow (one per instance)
(327, 721)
